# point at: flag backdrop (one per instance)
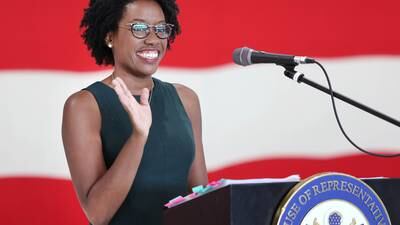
(256, 122)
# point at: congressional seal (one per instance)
(332, 199)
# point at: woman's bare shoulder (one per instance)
(187, 94)
(81, 101)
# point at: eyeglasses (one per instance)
(142, 30)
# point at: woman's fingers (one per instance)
(139, 113)
(121, 89)
(117, 87)
(123, 93)
(123, 86)
(118, 84)
(144, 97)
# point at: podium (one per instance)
(256, 204)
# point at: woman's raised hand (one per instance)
(139, 112)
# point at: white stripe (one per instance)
(248, 112)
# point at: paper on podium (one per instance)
(201, 190)
(292, 178)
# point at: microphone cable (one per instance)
(340, 124)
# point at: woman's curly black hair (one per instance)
(103, 16)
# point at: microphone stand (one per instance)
(291, 73)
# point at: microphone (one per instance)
(246, 56)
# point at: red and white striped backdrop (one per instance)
(257, 123)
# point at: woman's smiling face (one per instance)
(139, 56)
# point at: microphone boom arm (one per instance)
(291, 73)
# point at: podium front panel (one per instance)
(256, 204)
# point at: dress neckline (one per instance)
(152, 92)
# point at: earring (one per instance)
(109, 45)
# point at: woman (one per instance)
(127, 157)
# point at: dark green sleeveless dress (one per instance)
(167, 156)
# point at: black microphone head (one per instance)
(242, 56)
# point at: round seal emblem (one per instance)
(332, 199)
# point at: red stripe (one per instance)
(40, 201)
(356, 165)
(45, 35)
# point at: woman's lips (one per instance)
(149, 56)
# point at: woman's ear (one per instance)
(108, 40)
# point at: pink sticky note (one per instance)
(177, 200)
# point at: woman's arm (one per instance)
(100, 191)
(198, 170)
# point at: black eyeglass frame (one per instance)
(149, 27)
